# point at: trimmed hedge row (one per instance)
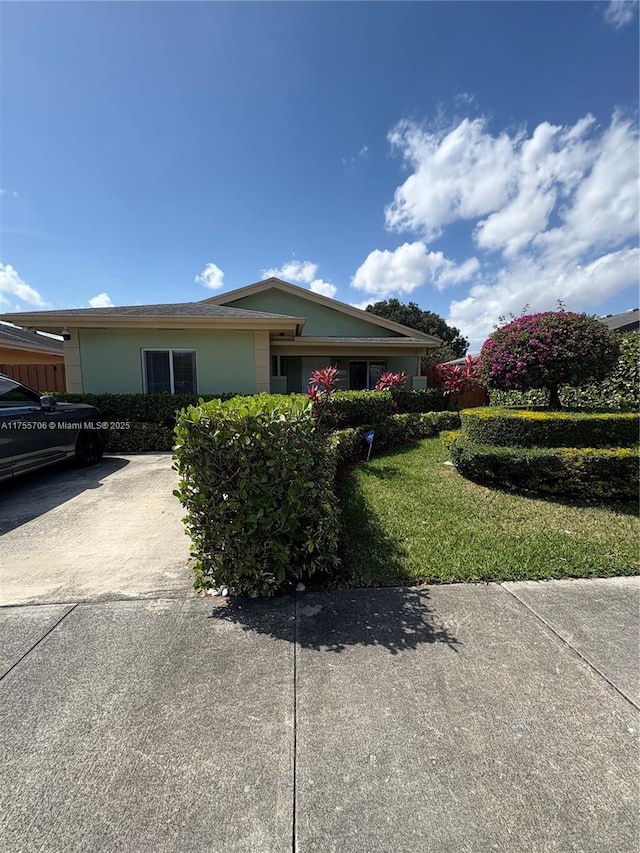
(526, 428)
(348, 444)
(140, 438)
(256, 479)
(139, 408)
(365, 408)
(586, 473)
(152, 417)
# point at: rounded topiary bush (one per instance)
(585, 473)
(530, 428)
(548, 350)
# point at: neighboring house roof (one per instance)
(13, 337)
(628, 321)
(334, 304)
(462, 360)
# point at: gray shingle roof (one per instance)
(625, 322)
(174, 309)
(12, 335)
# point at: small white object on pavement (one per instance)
(300, 587)
(224, 592)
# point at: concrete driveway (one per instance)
(110, 531)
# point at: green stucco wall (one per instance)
(111, 359)
(321, 321)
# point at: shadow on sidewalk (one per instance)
(397, 619)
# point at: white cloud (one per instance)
(352, 162)
(102, 300)
(303, 272)
(325, 288)
(362, 305)
(408, 267)
(452, 274)
(211, 277)
(554, 215)
(539, 285)
(460, 174)
(619, 13)
(300, 272)
(11, 285)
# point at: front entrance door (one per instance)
(364, 374)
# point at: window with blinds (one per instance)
(170, 371)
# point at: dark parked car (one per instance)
(36, 431)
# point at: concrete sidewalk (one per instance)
(453, 718)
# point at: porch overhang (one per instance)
(308, 345)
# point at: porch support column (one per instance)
(262, 361)
(72, 365)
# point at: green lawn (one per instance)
(409, 518)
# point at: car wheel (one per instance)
(88, 449)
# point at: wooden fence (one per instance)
(477, 396)
(42, 377)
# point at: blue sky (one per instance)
(472, 157)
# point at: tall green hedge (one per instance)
(159, 409)
(256, 480)
(620, 392)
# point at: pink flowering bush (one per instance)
(548, 350)
(391, 381)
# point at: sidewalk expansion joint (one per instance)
(295, 720)
(579, 654)
(35, 645)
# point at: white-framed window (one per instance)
(364, 375)
(169, 371)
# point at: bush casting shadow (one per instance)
(620, 507)
(397, 619)
(365, 540)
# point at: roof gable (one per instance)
(325, 317)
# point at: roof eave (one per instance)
(55, 322)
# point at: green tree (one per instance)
(411, 315)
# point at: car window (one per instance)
(14, 394)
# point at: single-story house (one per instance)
(22, 346)
(267, 336)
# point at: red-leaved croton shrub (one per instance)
(322, 384)
(455, 378)
(548, 350)
(391, 381)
